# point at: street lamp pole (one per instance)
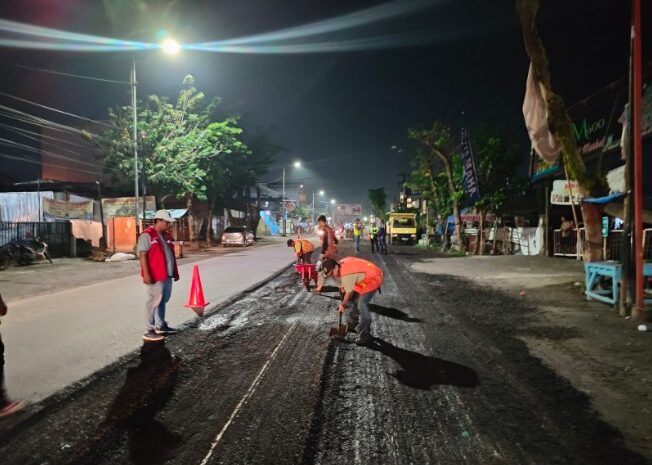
(313, 211)
(135, 141)
(284, 212)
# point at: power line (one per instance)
(38, 139)
(56, 110)
(42, 136)
(80, 76)
(10, 142)
(42, 163)
(42, 122)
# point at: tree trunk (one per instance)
(592, 244)
(457, 237)
(479, 243)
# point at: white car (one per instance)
(237, 235)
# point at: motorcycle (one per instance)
(26, 251)
(6, 256)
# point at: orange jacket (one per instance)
(373, 275)
(302, 246)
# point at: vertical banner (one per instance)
(468, 165)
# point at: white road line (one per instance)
(248, 394)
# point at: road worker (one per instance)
(328, 247)
(359, 279)
(357, 234)
(303, 249)
(373, 237)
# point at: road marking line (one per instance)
(248, 394)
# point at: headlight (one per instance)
(394, 235)
(413, 235)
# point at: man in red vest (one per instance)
(158, 268)
(360, 279)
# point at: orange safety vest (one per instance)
(303, 246)
(373, 278)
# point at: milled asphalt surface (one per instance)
(446, 381)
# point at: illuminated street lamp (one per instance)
(170, 46)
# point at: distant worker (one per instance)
(328, 247)
(382, 234)
(360, 279)
(7, 407)
(158, 268)
(303, 249)
(373, 237)
(357, 234)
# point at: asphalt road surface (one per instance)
(446, 381)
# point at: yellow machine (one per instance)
(402, 228)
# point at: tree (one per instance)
(436, 155)
(378, 201)
(562, 128)
(182, 149)
(497, 179)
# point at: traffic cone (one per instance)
(196, 299)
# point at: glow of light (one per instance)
(365, 219)
(170, 46)
(297, 164)
(333, 201)
(321, 192)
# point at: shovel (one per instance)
(340, 329)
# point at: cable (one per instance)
(42, 163)
(56, 110)
(39, 140)
(43, 136)
(59, 73)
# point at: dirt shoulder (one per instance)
(601, 354)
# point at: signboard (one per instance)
(349, 209)
(62, 210)
(468, 165)
(561, 192)
(125, 206)
(605, 226)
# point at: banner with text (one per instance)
(563, 191)
(468, 165)
(125, 206)
(62, 210)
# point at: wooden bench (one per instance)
(595, 270)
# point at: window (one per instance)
(403, 223)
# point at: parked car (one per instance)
(237, 235)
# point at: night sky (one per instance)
(340, 113)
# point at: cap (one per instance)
(164, 215)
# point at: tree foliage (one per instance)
(378, 201)
(184, 150)
(437, 172)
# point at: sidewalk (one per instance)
(59, 338)
(601, 354)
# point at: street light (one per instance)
(170, 47)
(321, 192)
(332, 201)
(296, 164)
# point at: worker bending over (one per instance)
(303, 249)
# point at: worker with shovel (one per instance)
(360, 279)
(303, 249)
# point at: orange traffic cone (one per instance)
(196, 298)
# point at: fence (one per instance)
(567, 246)
(57, 235)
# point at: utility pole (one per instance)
(637, 121)
(135, 122)
(284, 212)
(313, 211)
